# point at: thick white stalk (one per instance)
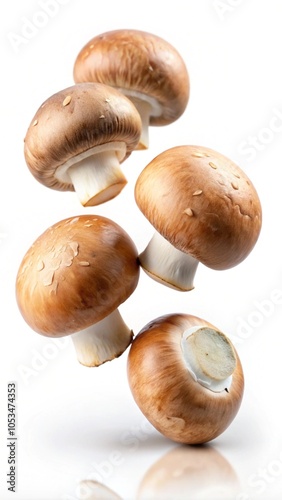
(144, 109)
(146, 106)
(97, 179)
(95, 174)
(167, 265)
(209, 357)
(103, 341)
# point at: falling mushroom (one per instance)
(78, 138)
(146, 68)
(204, 209)
(186, 377)
(71, 281)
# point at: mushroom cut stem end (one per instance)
(104, 341)
(209, 357)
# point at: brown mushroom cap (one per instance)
(140, 62)
(75, 274)
(202, 203)
(72, 122)
(165, 391)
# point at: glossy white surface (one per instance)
(76, 423)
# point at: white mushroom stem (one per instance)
(144, 109)
(146, 106)
(167, 265)
(103, 341)
(209, 357)
(96, 175)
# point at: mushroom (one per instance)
(204, 209)
(143, 66)
(78, 138)
(200, 470)
(93, 490)
(71, 281)
(186, 377)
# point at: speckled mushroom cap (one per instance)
(202, 203)
(75, 274)
(72, 122)
(141, 62)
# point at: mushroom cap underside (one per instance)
(165, 391)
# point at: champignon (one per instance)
(78, 138)
(143, 66)
(186, 378)
(204, 209)
(71, 281)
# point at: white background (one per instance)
(76, 423)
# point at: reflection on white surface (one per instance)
(93, 490)
(199, 473)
